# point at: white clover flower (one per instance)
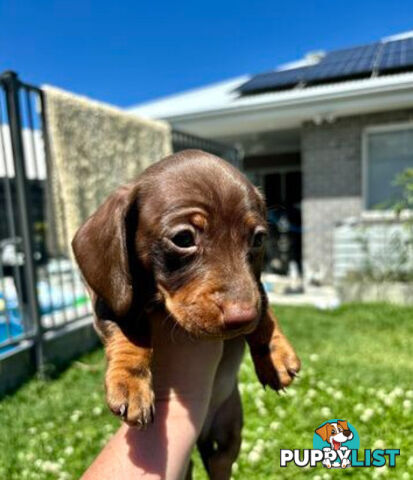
(311, 393)
(326, 476)
(380, 471)
(317, 477)
(69, 450)
(254, 457)
(97, 411)
(330, 390)
(397, 392)
(245, 446)
(407, 404)
(409, 394)
(406, 476)
(338, 395)
(307, 402)
(321, 385)
(281, 412)
(410, 462)
(235, 467)
(366, 415)
(325, 412)
(52, 467)
(259, 403)
(381, 394)
(32, 430)
(389, 400)
(379, 444)
(44, 435)
(313, 357)
(274, 425)
(292, 392)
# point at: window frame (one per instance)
(390, 127)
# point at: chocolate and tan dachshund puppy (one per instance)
(185, 240)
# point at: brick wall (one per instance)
(332, 180)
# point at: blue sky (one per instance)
(126, 52)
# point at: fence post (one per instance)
(12, 85)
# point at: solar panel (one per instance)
(396, 55)
(350, 62)
(273, 80)
(338, 65)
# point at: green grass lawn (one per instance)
(357, 365)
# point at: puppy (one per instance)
(186, 239)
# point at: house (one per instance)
(323, 136)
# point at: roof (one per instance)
(206, 98)
(198, 110)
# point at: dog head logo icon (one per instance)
(335, 433)
(336, 438)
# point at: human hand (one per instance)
(183, 373)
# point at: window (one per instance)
(388, 151)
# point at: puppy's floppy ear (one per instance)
(323, 431)
(343, 423)
(101, 247)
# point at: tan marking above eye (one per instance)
(199, 221)
(251, 220)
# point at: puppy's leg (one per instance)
(128, 375)
(219, 446)
(275, 360)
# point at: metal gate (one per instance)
(40, 290)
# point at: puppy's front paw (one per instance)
(131, 397)
(276, 364)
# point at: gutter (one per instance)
(308, 98)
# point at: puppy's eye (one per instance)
(184, 239)
(258, 239)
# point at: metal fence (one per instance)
(182, 141)
(40, 289)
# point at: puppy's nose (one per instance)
(238, 315)
(347, 433)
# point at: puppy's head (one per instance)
(335, 432)
(189, 232)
